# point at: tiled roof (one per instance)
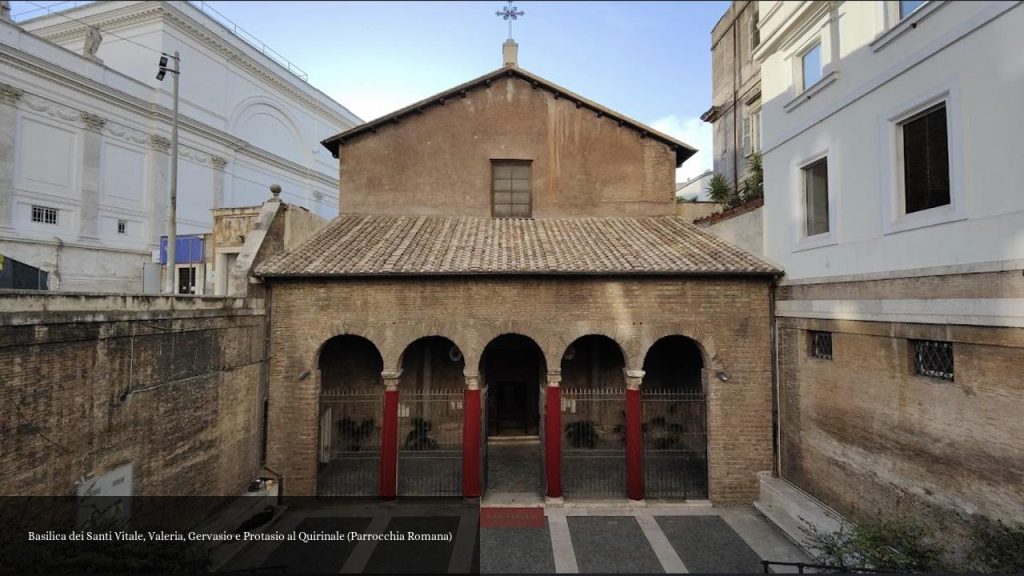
(460, 245)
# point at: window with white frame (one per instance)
(752, 131)
(924, 144)
(907, 7)
(44, 214)
(816, 217)
(810, 66)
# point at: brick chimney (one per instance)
(510, 53)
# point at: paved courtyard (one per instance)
(606, 538)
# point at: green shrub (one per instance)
(882, 545)
(996, 547)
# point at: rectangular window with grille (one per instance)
(122, 226)
(934, 359)
(511, 189)
(44, 214)
(821, 345)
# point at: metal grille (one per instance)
(430, 443)
(44, 214)
(675, 444)
(594, 442)
(349, 443)
(934, 359)
(821, 345)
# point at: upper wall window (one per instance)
(816, 197)
(810, 67)
(755, 33)
(752, 131)
(44, 214)
(906, 7)
(925, 147)
(511, 189)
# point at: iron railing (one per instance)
(675, 444)
(594, 442)
(350, 422)
(430, 443)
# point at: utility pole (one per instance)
(172, 227)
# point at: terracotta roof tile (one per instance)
(460, 245)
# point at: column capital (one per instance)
(472, 382)
(554, 379)
(93, 121)
(391, 378)
(159, 143)
(629, 373)
(218, 162)
(633, 378)
(9, 94)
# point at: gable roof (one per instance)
(355, 245)
(683, 150)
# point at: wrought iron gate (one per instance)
(430, 443)
(349, 455)
(594, 442)
(675, 444)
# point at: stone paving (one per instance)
(592, 538)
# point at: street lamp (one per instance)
(172, 232)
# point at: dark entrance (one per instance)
(511, 371)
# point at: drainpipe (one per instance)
(56, 268)
(776, 451)
(735, 103)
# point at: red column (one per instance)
(389, 444)
(553, 437)
(634, 446)
(471, 441)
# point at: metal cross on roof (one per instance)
(509, 13)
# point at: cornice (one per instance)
(38, 67)
(143, 12)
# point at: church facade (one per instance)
(506, 304)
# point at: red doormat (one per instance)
(512, 517)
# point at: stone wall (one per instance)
(727, 317)
(439, 162)
(867, 435)
(93, 382)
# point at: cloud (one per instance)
(694, 132)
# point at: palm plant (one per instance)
(719, 189)
(753, 184)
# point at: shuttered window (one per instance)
(512, 189)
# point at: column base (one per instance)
(554, 502)
(638, 503)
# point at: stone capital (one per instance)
(472, 382)
(391, 379)
(218, 162)
(554, 379)
(633, 373)
(9, 94)
(159, 143)
(93, 121)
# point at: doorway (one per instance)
(512, 369)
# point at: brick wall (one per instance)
(728, 317)
(439, 162)
(865, 434)
(92, 382)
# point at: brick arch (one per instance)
(399, 341)
(562, 339)
(705, 343)
(508, 328)
(317, 371)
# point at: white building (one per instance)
(84, 138)
(894, 202)
(695, 188)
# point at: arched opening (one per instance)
(675, 420)
(512, 371)
(430, 418)
(593, 419)
(350, 417)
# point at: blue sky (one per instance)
(648, 60)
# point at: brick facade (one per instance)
(867, 435)
(727, 317)
(94, 382)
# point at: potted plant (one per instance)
(581, 434)
(419, 437)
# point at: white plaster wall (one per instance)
(744, 231)
(970, 51)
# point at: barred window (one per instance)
(44, 214)
(821, 345)
(934, 359)
(122, 226)
(511, 189)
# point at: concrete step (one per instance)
(794, 511)
(499, 440)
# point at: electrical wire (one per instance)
(108, 33)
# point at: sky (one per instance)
(648, 60)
